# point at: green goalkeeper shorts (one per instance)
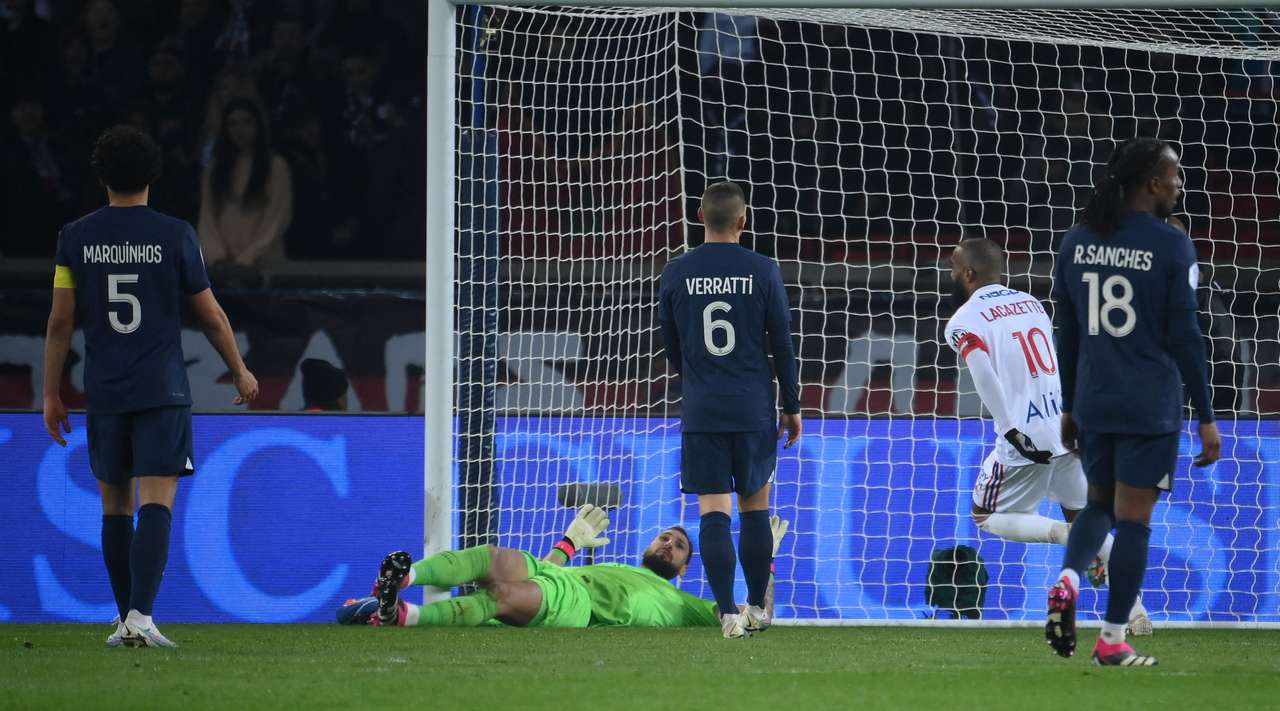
(565, 600)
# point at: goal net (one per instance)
(869, 143)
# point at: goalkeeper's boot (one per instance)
(400, 619)
(357, 611)
(733, 628)
(141, 632)
(1060, 628)
(117, 638)
(1097, 573)
(756, 619)
(391, 579)
(1139, 622)
(1119, 655)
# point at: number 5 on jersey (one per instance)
(710, 324)
(115, 296)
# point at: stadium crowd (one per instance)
(290, 130)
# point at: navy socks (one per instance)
(755, 550)
(117, 538)
(1084, 541)
(718, 559)
(148, 555)
(1128, 567)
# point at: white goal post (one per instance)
(568, 145)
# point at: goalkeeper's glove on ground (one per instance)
(1026, 447)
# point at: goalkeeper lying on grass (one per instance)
(522, 591)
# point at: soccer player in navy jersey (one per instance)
(1128, 340)
(723, 310)
(125, 272)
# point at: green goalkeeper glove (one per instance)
(779, 526)
(584, 532)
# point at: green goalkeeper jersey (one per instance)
(636, 596)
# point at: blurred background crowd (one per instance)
(290, 129)
(293, 133)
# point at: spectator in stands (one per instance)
(1228, 353)
(38, 188)
(369, 159)
(197, 32)
(246, 198)
(320, 228)
(235, 81)
(170, 113)
(290, 74)
(116, 66)
(78, 111)
(729, 63)
(362, 23)
(24, 41)
(324, 386)
(369, 114)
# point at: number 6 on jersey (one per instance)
(710, 324)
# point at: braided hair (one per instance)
(1134, 163)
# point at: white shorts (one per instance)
(1005, 489)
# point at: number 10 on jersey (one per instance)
(1038, 351)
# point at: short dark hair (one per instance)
(722, 203)
(323, 384)
(126, 160)
(984, 257)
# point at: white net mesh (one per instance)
(869, 143)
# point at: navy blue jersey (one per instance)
(132, 269)
(723, 310)
(1127, 330)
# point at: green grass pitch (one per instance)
(493, 669)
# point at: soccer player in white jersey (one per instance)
(1005, 339)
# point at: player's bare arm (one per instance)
(217, 328)
(791, 425)
(62, 316)
(1210, 444)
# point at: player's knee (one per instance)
(1106, 507)
(499, 591)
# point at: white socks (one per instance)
(1112, 634)
(1034, 528)
(137, 619)
(1105, 551)
(1071, 575)
(411, 615)
(1027, 528)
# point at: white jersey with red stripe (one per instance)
(1015, 332)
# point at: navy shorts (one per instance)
(727, 462)
(1141, 461)
(155, 442)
